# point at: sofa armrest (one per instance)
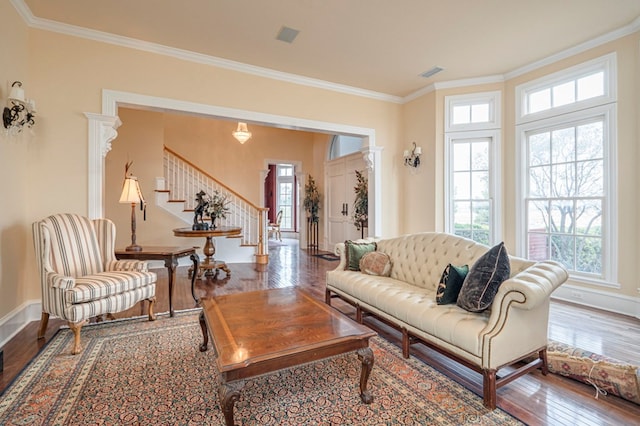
(339, 250)
(535, 284)
(526, 290)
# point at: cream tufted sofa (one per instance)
(512, 329)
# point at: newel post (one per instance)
(262, 257)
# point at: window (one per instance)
(472, 112)
(471, 148)
(342, 145)
(586, 85)
(568, 187)
(285, 198)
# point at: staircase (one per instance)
(176, 193)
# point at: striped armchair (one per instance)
(80, 276)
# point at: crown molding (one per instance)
(100, 36)
(631, 28)
(582, 47)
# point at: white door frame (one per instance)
(102, 131)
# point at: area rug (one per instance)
(607, 375)
(327, 256)
(152, 373)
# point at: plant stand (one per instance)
(312, 234)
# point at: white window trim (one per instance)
(610, 225)
(495, 111)
(606, 63)
(495, 177)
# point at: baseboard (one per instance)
(607, 301)
(17, 319)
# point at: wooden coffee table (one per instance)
(264, 331)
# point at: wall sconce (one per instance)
(242, 133)
(412, 158)
(19, 111)
(131, 194)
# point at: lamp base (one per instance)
(134, 247)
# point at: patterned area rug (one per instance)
(141, 372)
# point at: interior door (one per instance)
(341, 181)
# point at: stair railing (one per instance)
(184, 180)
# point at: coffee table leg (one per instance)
(205, 334)
(366, 356)
(229, 394)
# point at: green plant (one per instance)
(361, 203)
(311, 200)
(217, 205)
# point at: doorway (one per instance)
(281, 194)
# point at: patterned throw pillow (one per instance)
(485, 276)
(450, 284)
(376, 263)
(355, 251)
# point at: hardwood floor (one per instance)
(534, 399)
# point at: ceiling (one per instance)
(377, 45)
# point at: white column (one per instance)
(373, 158)
(102, 130)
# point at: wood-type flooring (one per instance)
(534, 399)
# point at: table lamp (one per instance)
(131, 194)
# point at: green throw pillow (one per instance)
(485, 276)
(450, 284)
(355, 251)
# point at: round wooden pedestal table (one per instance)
(209, 266)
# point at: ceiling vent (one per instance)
(287, 34)
(432, 71)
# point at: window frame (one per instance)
(286, 179)
(495, 216)
(493, 99)
(606, 64)
(604, 106)
(490, 129)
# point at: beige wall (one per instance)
(424, 119)
(15, 152)
(66, 76)
(628, 112)
(209, 145)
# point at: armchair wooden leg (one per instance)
(76, 327)
(152, 314)
(44, 321)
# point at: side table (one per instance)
(209, 265)
(169, 255)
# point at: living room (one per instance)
(66, 72)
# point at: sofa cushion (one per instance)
(376, 263)
(450, 284)
(485, 276)
(354, 252)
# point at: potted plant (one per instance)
(361, 203)
(311, 201)
(216, 207)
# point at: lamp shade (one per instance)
(17, 92)
(242, 133)
(131, 191)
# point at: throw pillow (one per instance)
(376, 263)
(355, 251)
(485, 276)
(450, 284)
